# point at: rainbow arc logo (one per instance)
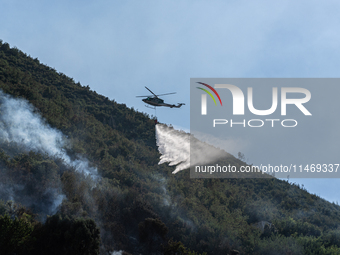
(209, 93)
(204, 97)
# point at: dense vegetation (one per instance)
(138, 206)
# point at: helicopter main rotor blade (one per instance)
(151, 91)
(167, 94)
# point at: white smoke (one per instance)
(22, 129)
(166, 199)
(116, 253)
(175, 147)
(58, 199)
(230, 144)
(21, 124)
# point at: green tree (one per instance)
(69, 237)
(15, 234)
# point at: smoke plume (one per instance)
(20, 123)
(116, 253)
(22, 130)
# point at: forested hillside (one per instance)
(130, 203)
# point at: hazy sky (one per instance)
(118, 47)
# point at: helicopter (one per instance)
(156, 101)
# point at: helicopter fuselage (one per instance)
(153, 101)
